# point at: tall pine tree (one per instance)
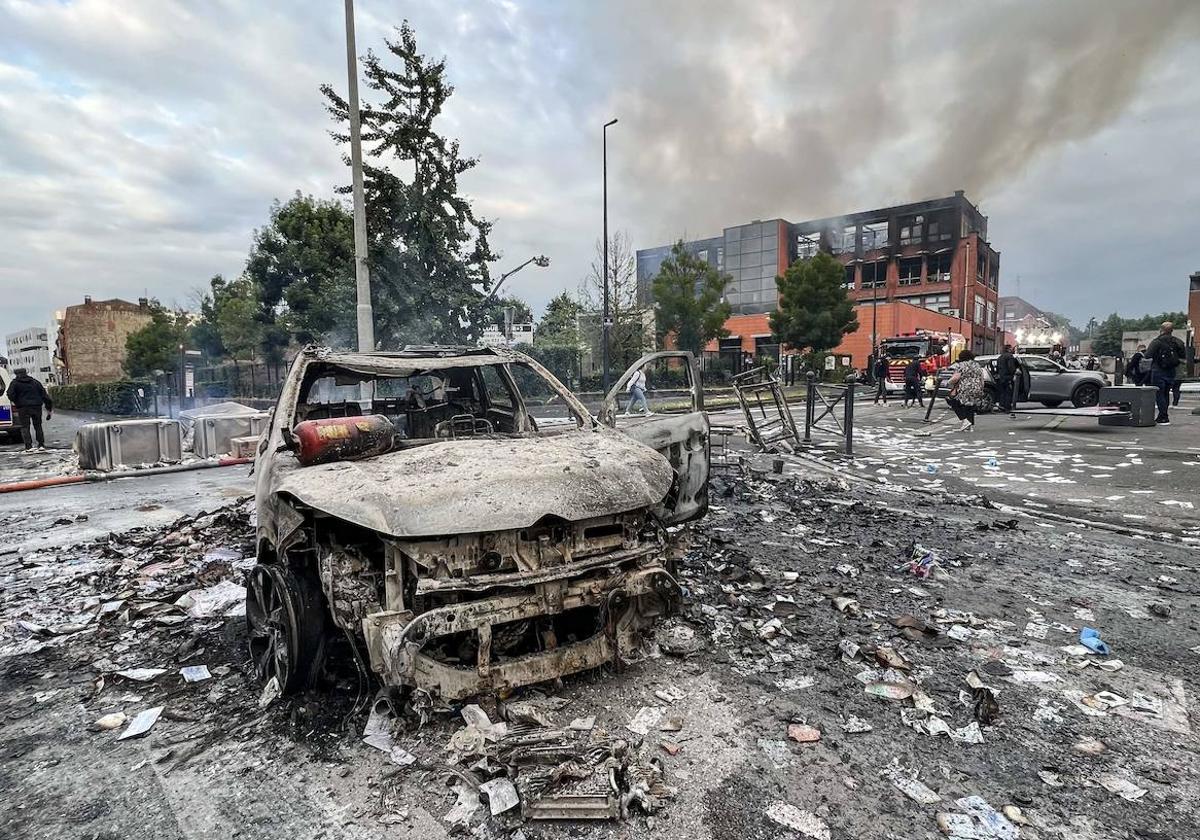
(429, 252)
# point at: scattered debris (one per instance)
(1123, 788)
(1089, 637)
(798, 820)
(803, 734)
(195, 673)
(142, 723)
(907, 783)
(501, 795)
(115, 720)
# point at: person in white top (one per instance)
(637, 392)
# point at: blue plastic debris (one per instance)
(1089, 637)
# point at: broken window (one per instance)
(910, 271)
(938, 270)
(875, 235)
(911, 229)
(844, 239)
(807, 245)
(874, 275)
(980, 311)
(850, 271)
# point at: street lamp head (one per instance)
(613, 121)
(541, 261)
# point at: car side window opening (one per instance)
(1038, 364)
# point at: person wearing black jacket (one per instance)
(27, 396)
(1133, 368)
(1005, 375)
(881, 372)
(913, 383)
(1166, 354)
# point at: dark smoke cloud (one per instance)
(738, 111)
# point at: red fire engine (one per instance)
(927, 348)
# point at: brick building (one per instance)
(933, 255)
(91, 338)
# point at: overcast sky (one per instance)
(141, 141)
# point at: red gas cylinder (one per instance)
(343, 438)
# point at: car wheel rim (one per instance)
(270, 624)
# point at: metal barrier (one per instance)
(774, 424)
(829, 397)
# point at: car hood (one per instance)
(474, 485)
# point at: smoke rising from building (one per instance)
(774, 108)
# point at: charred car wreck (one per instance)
(410, 502)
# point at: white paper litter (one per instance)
(142, 674)
(798, 820)
(195, 673)
(501, 795)
(142, 723)
(647, 718)
(225, 598)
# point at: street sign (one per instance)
(830, 362)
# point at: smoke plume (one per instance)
(731, 112)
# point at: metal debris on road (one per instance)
(142, 723)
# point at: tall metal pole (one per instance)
(607, 317)
(362, 274)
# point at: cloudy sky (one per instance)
(141, 141)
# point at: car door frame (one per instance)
(683, 439)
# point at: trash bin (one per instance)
(106, 446)
(1139, 400)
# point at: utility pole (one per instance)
(607, 317)
(362, 273)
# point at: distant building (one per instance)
(91, 338)
(932, 254)
(30, 349)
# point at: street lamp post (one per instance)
(607, 326)
(362, 273)
(541, 261)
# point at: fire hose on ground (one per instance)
(81, 478)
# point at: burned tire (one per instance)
(1086, 395)
(286, 623)
(1052, 403)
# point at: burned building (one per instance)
(933, 254)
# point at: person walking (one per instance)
(913, 383)
(27, 396)
(966, 390)
(637, 392)
(1133, 368)
(1166, 353)
(880, 372)
(1005, 376)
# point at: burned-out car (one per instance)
(410, 503)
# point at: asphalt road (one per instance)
(1133, 476)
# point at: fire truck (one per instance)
(930, 349)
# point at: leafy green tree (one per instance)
(560, 322)
(814, 311)
(156, 345)
(689, 300)
(1153, 322)
(302, 264)
(238, 323)
(429, 252)
(1106, 340)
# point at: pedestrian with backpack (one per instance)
(1166, 354)
(1137, 369)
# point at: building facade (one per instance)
(30, 349)
(91, 338)
(933, 254)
